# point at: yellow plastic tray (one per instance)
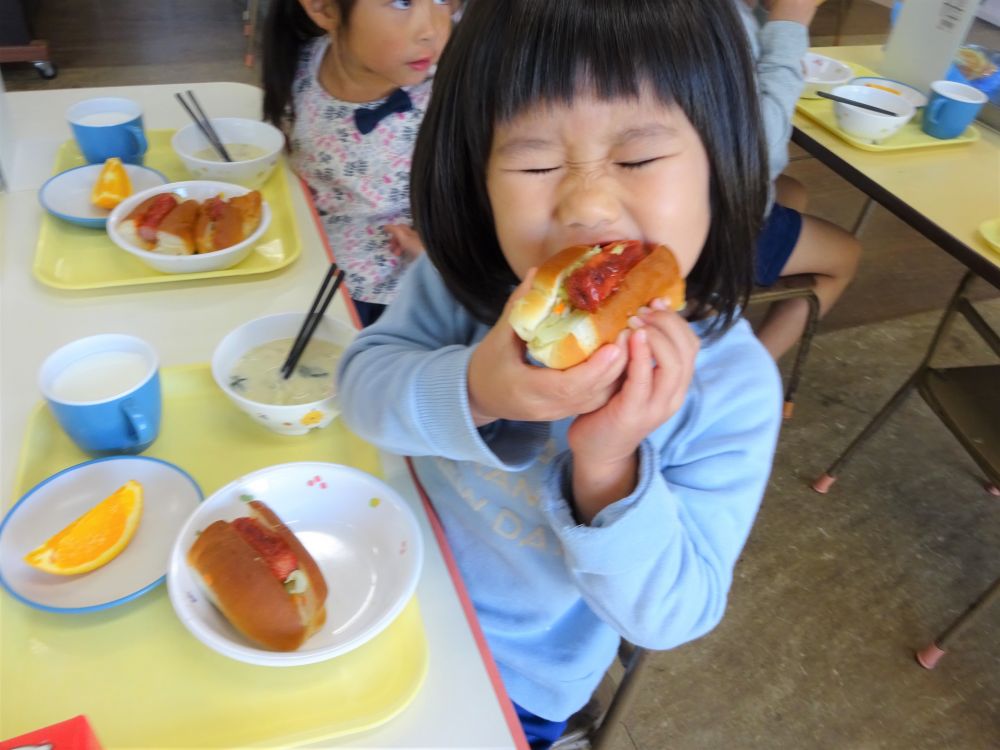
(910, 136)
(68, 256)
(137, 674)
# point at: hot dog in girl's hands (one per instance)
(261, 578)
(583, 296)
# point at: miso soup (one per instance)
(257, 375)
(236, 151)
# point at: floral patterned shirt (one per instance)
(359, 183)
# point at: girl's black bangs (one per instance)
(550, 54)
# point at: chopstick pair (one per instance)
(322, 301)
(844, 100)
(204, 124)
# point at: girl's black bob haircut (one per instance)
(505, 56)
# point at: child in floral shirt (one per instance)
(348, 81)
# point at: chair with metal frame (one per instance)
(594, 726)
(792, 287)
(967, 400)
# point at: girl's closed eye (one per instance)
(639, 163)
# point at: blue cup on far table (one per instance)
(106, 127)
(951, 109)
(105, 393)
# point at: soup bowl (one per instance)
(290, 419)
(265, 143)
(868, 126)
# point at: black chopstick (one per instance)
(204, 125)
(853, 103)
(322, 301)
(209, 126)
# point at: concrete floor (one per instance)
(833, 592)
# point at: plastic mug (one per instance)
(106, 127)
(104, 391)
(951, 109)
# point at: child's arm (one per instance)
(404, 242)
(782, 42)
(405, 383)
(657, 565)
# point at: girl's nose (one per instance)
(587, 204)
(425, 22)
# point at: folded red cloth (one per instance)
(72, 734)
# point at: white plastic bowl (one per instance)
(197, 190)
(297, 419)
(362, 534)
(866, 125)
(189, 141)
(823, 73)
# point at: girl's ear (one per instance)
(323, 13)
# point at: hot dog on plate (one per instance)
(582, 297)
(261, 578)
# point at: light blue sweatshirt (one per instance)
(778, 48)
(554, 597)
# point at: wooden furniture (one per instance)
(17, 44)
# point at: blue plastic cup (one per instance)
(951, 109)
(108, 127)
(104, 391)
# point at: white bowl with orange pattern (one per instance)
(293, 419)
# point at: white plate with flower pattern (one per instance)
(361, 532)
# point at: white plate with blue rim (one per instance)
(914, 96)
(67, 194)
(362, 534)
(170, 495)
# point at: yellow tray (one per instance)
(68, 256)
(910, 136)
(137, 674)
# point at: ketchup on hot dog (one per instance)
(271, 547)
(154, 214)
(600, 276)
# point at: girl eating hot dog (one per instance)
(612, 498)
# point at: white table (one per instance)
(459, 705)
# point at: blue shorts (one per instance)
(540, 733)
(775, 243)
(368, 312)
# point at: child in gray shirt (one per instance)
(790, 242)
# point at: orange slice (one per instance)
(95, 538)
(112, 186)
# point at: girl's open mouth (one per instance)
(420, 65)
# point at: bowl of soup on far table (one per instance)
(253, 146)
(247, 365)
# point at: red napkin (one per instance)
(72, 734)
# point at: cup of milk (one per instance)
(105, 393)
(106, 127)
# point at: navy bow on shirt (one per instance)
(367, 119)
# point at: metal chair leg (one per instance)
(930, 655)
(812, 321)
(824, 482)
(623, 697)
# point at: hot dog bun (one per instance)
(175, 235)
(559, 335)
(240, 582)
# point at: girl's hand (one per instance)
(502, 385)
(404, 242)
(800, 11)
(662, 350)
